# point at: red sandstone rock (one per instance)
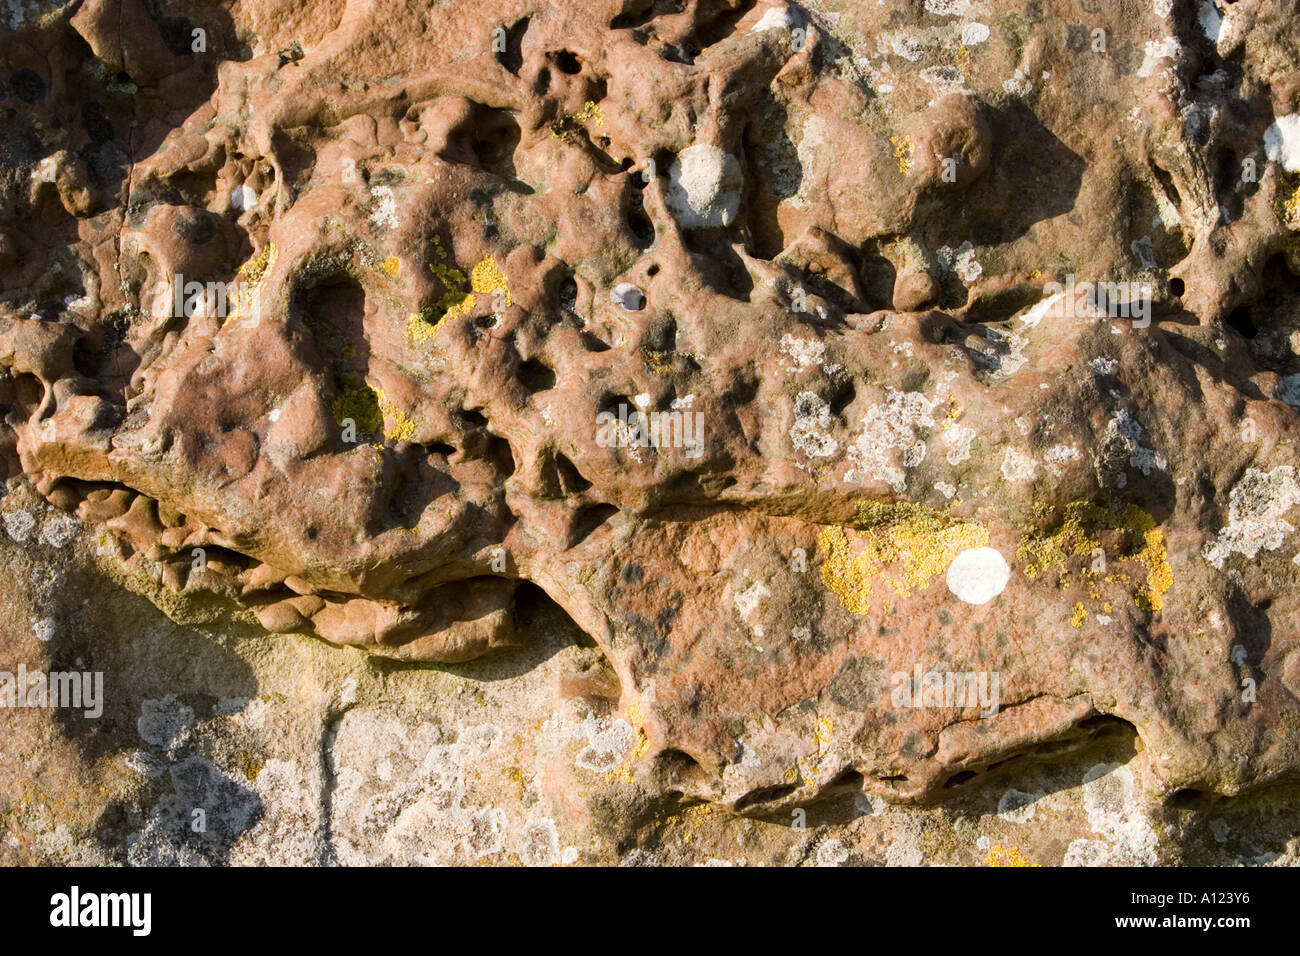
(457, 237)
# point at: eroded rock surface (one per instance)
(834, 254)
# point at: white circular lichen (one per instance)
(19, 525)
(704, 185)
(59, 530)
(978, 575)
(781, 17)
(1282, 142)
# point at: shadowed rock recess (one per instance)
(714, 430)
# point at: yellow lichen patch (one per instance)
(906, 545)
(1000, 855)
(454, 304)
(849, 575)
(823, 732)
(1079, 617)
(873, 514)
(486, 278)
(371, 411)
(516, 776)
(807, 765)
(252, 271)
(636, 718)
(1076, 536)
(418, 331)
(1288, 200)
(954, 412)
(361, 406)
(902, 153)
(693, 819)
(963, 59)
(1045, 551)
(403, 427)
(1155, 558)
(249, 278)
(390, 266)
(590, 111)
(448, 275)
(658, 362)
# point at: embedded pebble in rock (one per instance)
(914, 291)
(978, 575)
(951, 142)
(243, 198)
(628, 297)
(314, 345)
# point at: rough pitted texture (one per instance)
(828, 235)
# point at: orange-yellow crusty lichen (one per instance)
(1079, 617)
(999, 855)
(486, 278)
(359, 405)
(402, 427)
(590, 111)
(1288, 201)
(390, 265)
(1076, 534)
(455, 304)
(370, 411)
(963, 59)
(823, 733)
(252, 271)
(636, 718)
(1154, 556)
(904, 545)
(902, 153)
(418, 331)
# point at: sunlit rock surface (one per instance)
(608, 432)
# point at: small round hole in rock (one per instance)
(568, 63)
(1239, 319)
(569, 294)
(535, 376)
(959, 778)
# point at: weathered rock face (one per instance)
(888, 391)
